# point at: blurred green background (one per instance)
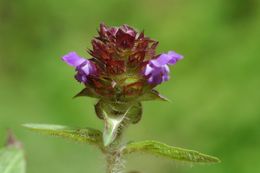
(215, 93)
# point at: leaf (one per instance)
(85, 135)
(99, 109)
(135, 113)
(112, 125)
(116, 115)
(161, 149)
(89, 92)
(12, 159)
(152, 95)
(112, 120)
(132, 111)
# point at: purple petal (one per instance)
(84, 67)
(163, 59)
(165, 77)
(167, 69)
(81, 77)
(84, 70)
(175, 57)
(148, 70)
(73, 59)
(157, 79)
(157, 75)
(170, 58)
(150, 80)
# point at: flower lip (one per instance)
(170, 58)
(174, 57)
(73, 59)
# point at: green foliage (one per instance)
(116, 115)
(132, 111)
(161, 149)
(112, 125)
(134, 114)
(112, 120)
(85, 135)
(88, 92)
(12, 160)
(152, 95)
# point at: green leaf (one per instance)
(152, 95)
(132, 111)
(135, 113)
(87, 91)
(113, 117)
(161, 149)
(111, 130)
(116, 115)
(85, 135)
(12, 159)
(99, 109)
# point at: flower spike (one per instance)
(124, 64)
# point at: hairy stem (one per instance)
(113, 132)
(115, 162)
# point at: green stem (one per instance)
(116, 119)
(115, 163)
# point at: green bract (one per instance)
(116, 115)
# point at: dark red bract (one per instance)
(120, 54)
(120, 49)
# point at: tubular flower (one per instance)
(83, 66)
(157, 70)
(124, 65)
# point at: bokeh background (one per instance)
(215, 93)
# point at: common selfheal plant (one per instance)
(122, 71)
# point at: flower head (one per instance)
(124, 64)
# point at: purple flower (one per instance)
(157, 70)
(83, 66)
